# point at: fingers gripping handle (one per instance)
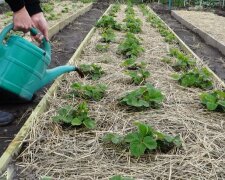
(45, 45)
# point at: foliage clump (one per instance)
(130, 47)
(92, 71)
(133, 24)
(108, 35)
(115, 8)
(91, 92)
(200, 78)
(78, 116)
(145, 139)
(183, 62)
(214, 100)
(102, 47)
(108, 22)
(131, 64)
(143, 97)
(138, 76)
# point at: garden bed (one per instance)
(63, 46)
(207, 25)
(77, 153)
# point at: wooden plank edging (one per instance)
(186, 49)
(16, 144)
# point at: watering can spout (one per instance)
(52, 74)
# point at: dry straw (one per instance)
(80, 154)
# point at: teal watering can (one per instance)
(23, 65)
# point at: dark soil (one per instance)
(210, 55)
(64, 44)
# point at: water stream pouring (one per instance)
(23, 65)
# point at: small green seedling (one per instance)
(92, 71)
(118, 177)
(47, 7)
(102, 47)
(183, 62)
(143, 97)
(214, 100)
(75, 116)
(65, 10)
(145, 139)
(200, 78)
(108, 35)
(138, 76)
(130, 47)
(90, 92)
(131, 64)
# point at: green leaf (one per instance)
(114, 138)
(90, 124)
(211, 106)
(118, 177)
(150, 143)
(76, 122)
(131, 137)
(144, 129)
(222, 103)
(137, 148)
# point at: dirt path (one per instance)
(64, 44)
(80, 154)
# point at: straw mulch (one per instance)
(80, 154)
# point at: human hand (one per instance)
(22, 20)
(41, 24)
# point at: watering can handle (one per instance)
(44, 44)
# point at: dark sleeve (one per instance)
(15, 6)
(32, 6)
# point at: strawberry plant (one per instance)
(108, 22)
(75, 116)
(138, 76)
(214, 100)
(130, 47)
(145, 139)
(115, 8)
(92, 71)
(102, 47)
(129, 10)
(95, 93)
(183, 62)
(131, 64)
(108, 35)
(133, 24)
(200, 78)
(143, 97)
